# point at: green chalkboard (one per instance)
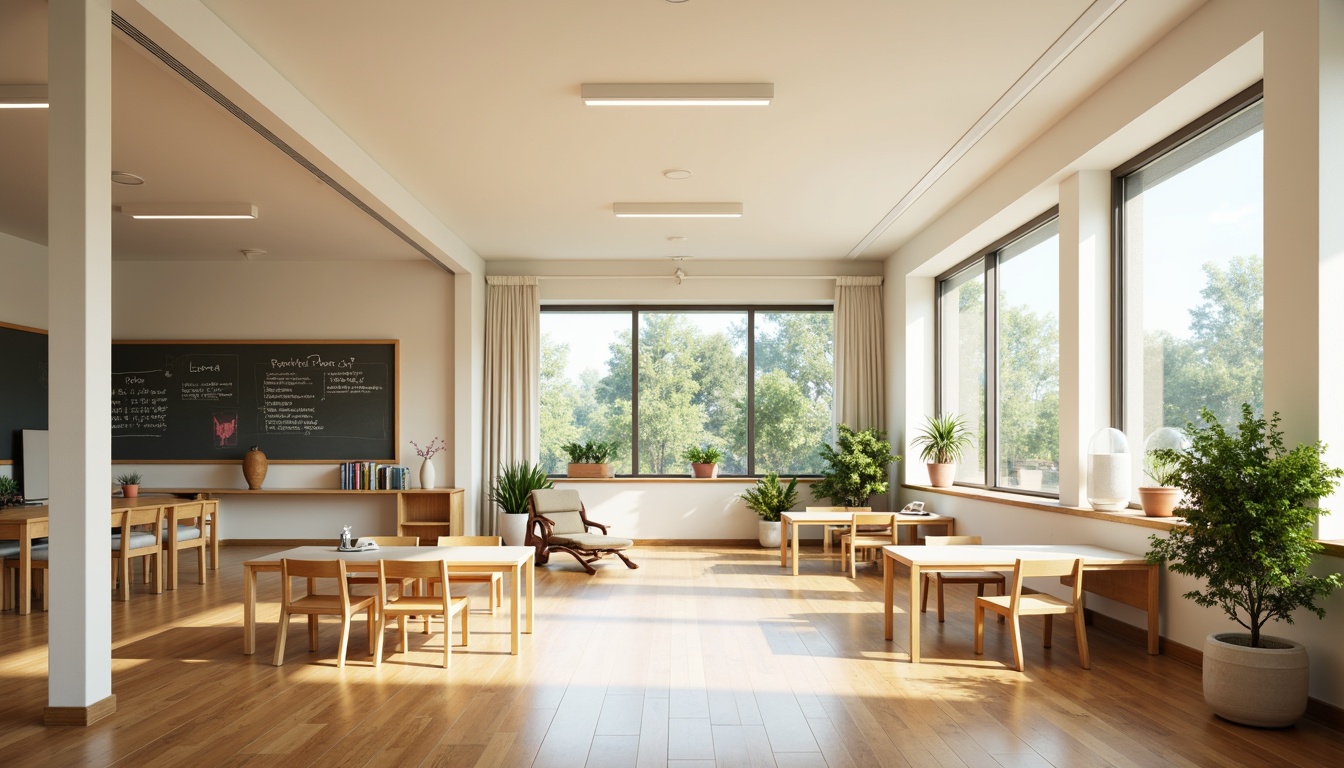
(299, 401)
(23, 385)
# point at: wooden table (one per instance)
(29, 523)
(519, 562)
(795, 520)
(1121, 576)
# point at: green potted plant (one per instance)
(944, 440)
(9, 491)
(704, 460)
(510, 493)
(768, 500)
(590, 459)
(856, 467)
(1250, 536)
(130, 484)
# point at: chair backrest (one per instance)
(825, 509)
(187, 513)
(562, 507)
(312, 569)
(393, 571)
(149, 517)
(470, 541)
(1029, 569)
(857, 509)
(874, 519)
(940, 541)
(393, 541)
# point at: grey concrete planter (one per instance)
(1265, 687)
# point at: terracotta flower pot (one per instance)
(942, 475)
(1159, 501)
(1265, 687)
(704, 470)
(130, 491)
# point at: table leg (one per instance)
(249, 610)
(888, 596)
(25, 574)
(784, 545)
(214, 537)
(531, 587)
(795, 549)
(1154, 644)
(914, 614)
(515, 607)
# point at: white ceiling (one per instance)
(473, 108)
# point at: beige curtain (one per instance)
(512, 418)
(860, 360)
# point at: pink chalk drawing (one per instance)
(226, 429)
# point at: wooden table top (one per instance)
(845, 517)
(970, 555)
(478, 556)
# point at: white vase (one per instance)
(427, 478)
(768, 533)
(513, 528)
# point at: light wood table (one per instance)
(792, 521)
(518, 562)
(29, 523)
(1121, 576)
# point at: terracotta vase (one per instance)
(254, 468)
(704, 470)
(130, 491)
(1159, 500)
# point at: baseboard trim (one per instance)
(79, 716)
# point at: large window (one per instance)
(998, 359)
(756, 384)
(1191, 299)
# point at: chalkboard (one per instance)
(23, 385)
(202, 401)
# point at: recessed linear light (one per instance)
(129, 179)
(677, 210)
(23, 96)
(190, 211)
(677, 94)
(677, 173)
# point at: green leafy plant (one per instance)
(9, 491)
(769, 500)
(515, 484)
(591, 452)
(856, 467)
(945, 439)
(1162, 471)
(1249, 532)
(129, 478)
(699, 455)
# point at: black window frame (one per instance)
(634, 311)
(988, 258)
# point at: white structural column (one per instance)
(80, 314)
(1084, 329)
(1304, 231)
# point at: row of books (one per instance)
(372, 476)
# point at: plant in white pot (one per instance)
(513, 486)
(1249, 536)
(943, 442)
(590, 459)
(704, 461)
(768, 500)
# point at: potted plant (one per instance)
(1249, 536)
(945, 441)
(9, 491)
(130, 484)
(512, 487)
(769, 501)
(590, 459)
(704, 461)
(1159, 500)
(856, 467)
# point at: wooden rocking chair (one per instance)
(557, 522)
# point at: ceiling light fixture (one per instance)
(190, 211)
(677, 210)
(252, 254)
(677, 94)
(677, 173)
(129, 179)
(23, 96)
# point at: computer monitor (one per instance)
(34, 465)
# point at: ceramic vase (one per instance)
(768, 533)
(513, 529)
(254, 468)
(942, 475)
(427, 478)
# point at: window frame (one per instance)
(989, 258)
(634, 311)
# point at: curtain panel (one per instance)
(512, 415)
(860, 357)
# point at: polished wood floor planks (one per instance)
(701, 657)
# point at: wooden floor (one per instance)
(699, 658)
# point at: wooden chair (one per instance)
(495, 592)
(9, 561)
(406, 606)
(184, 526)
(867, 530)
(830, 534)
(939, 578)
(404, 587)
(558, 522)
(314, 604)
(1036, 604)
(140, 535)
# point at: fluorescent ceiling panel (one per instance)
(677, 94)
(190, 211)
(23, 97)
(677, 210)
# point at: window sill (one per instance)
(655, 480)
(1332, 548)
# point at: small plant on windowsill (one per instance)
(130, 484)
(943, 442)
(590, 459)
(704, 460)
